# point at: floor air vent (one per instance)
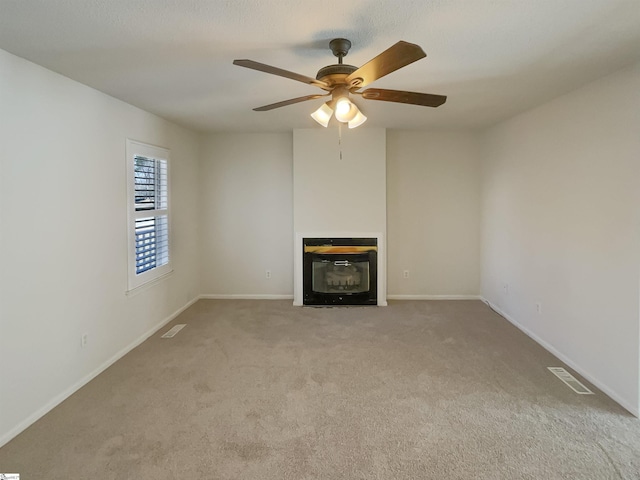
(174, 330)
(571, 381)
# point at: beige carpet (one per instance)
(264, 390)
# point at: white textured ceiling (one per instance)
(493, 58)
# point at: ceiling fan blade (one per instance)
(400, 96)
(280, 72)
(288, 102)
(399, 55)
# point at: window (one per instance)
(149, 219)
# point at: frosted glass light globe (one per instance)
(345, 110)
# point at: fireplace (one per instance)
(340, 271)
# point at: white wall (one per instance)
(432, 191)
(63, 244)
(561, 228)
(433, 211)
(339, 194)
(247, 213)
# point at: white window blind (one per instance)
(149, 212)
(151, 232)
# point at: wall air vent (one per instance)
(174, 330)
(569, 380)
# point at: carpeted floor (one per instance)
(264, 390)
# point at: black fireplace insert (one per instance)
(340, 271)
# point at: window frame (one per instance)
(135, 149)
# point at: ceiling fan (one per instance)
(340, 80)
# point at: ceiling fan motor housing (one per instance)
(335, 74)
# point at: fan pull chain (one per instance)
(340, 139)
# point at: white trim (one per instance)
(633, 409)
(243, 296)
(58, 399)
(434, 297)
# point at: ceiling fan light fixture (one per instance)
(323, 115)
(358, 120)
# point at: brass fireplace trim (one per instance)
(340, 249)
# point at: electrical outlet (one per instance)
(268, 273)
(505, 288)
(538, 308)
(84, 340)
(405, 274)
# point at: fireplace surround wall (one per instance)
(339, 191)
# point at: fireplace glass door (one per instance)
(345, 274)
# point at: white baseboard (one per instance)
(58, 399)
(433, 297)
(633, 409)
(242, 296)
